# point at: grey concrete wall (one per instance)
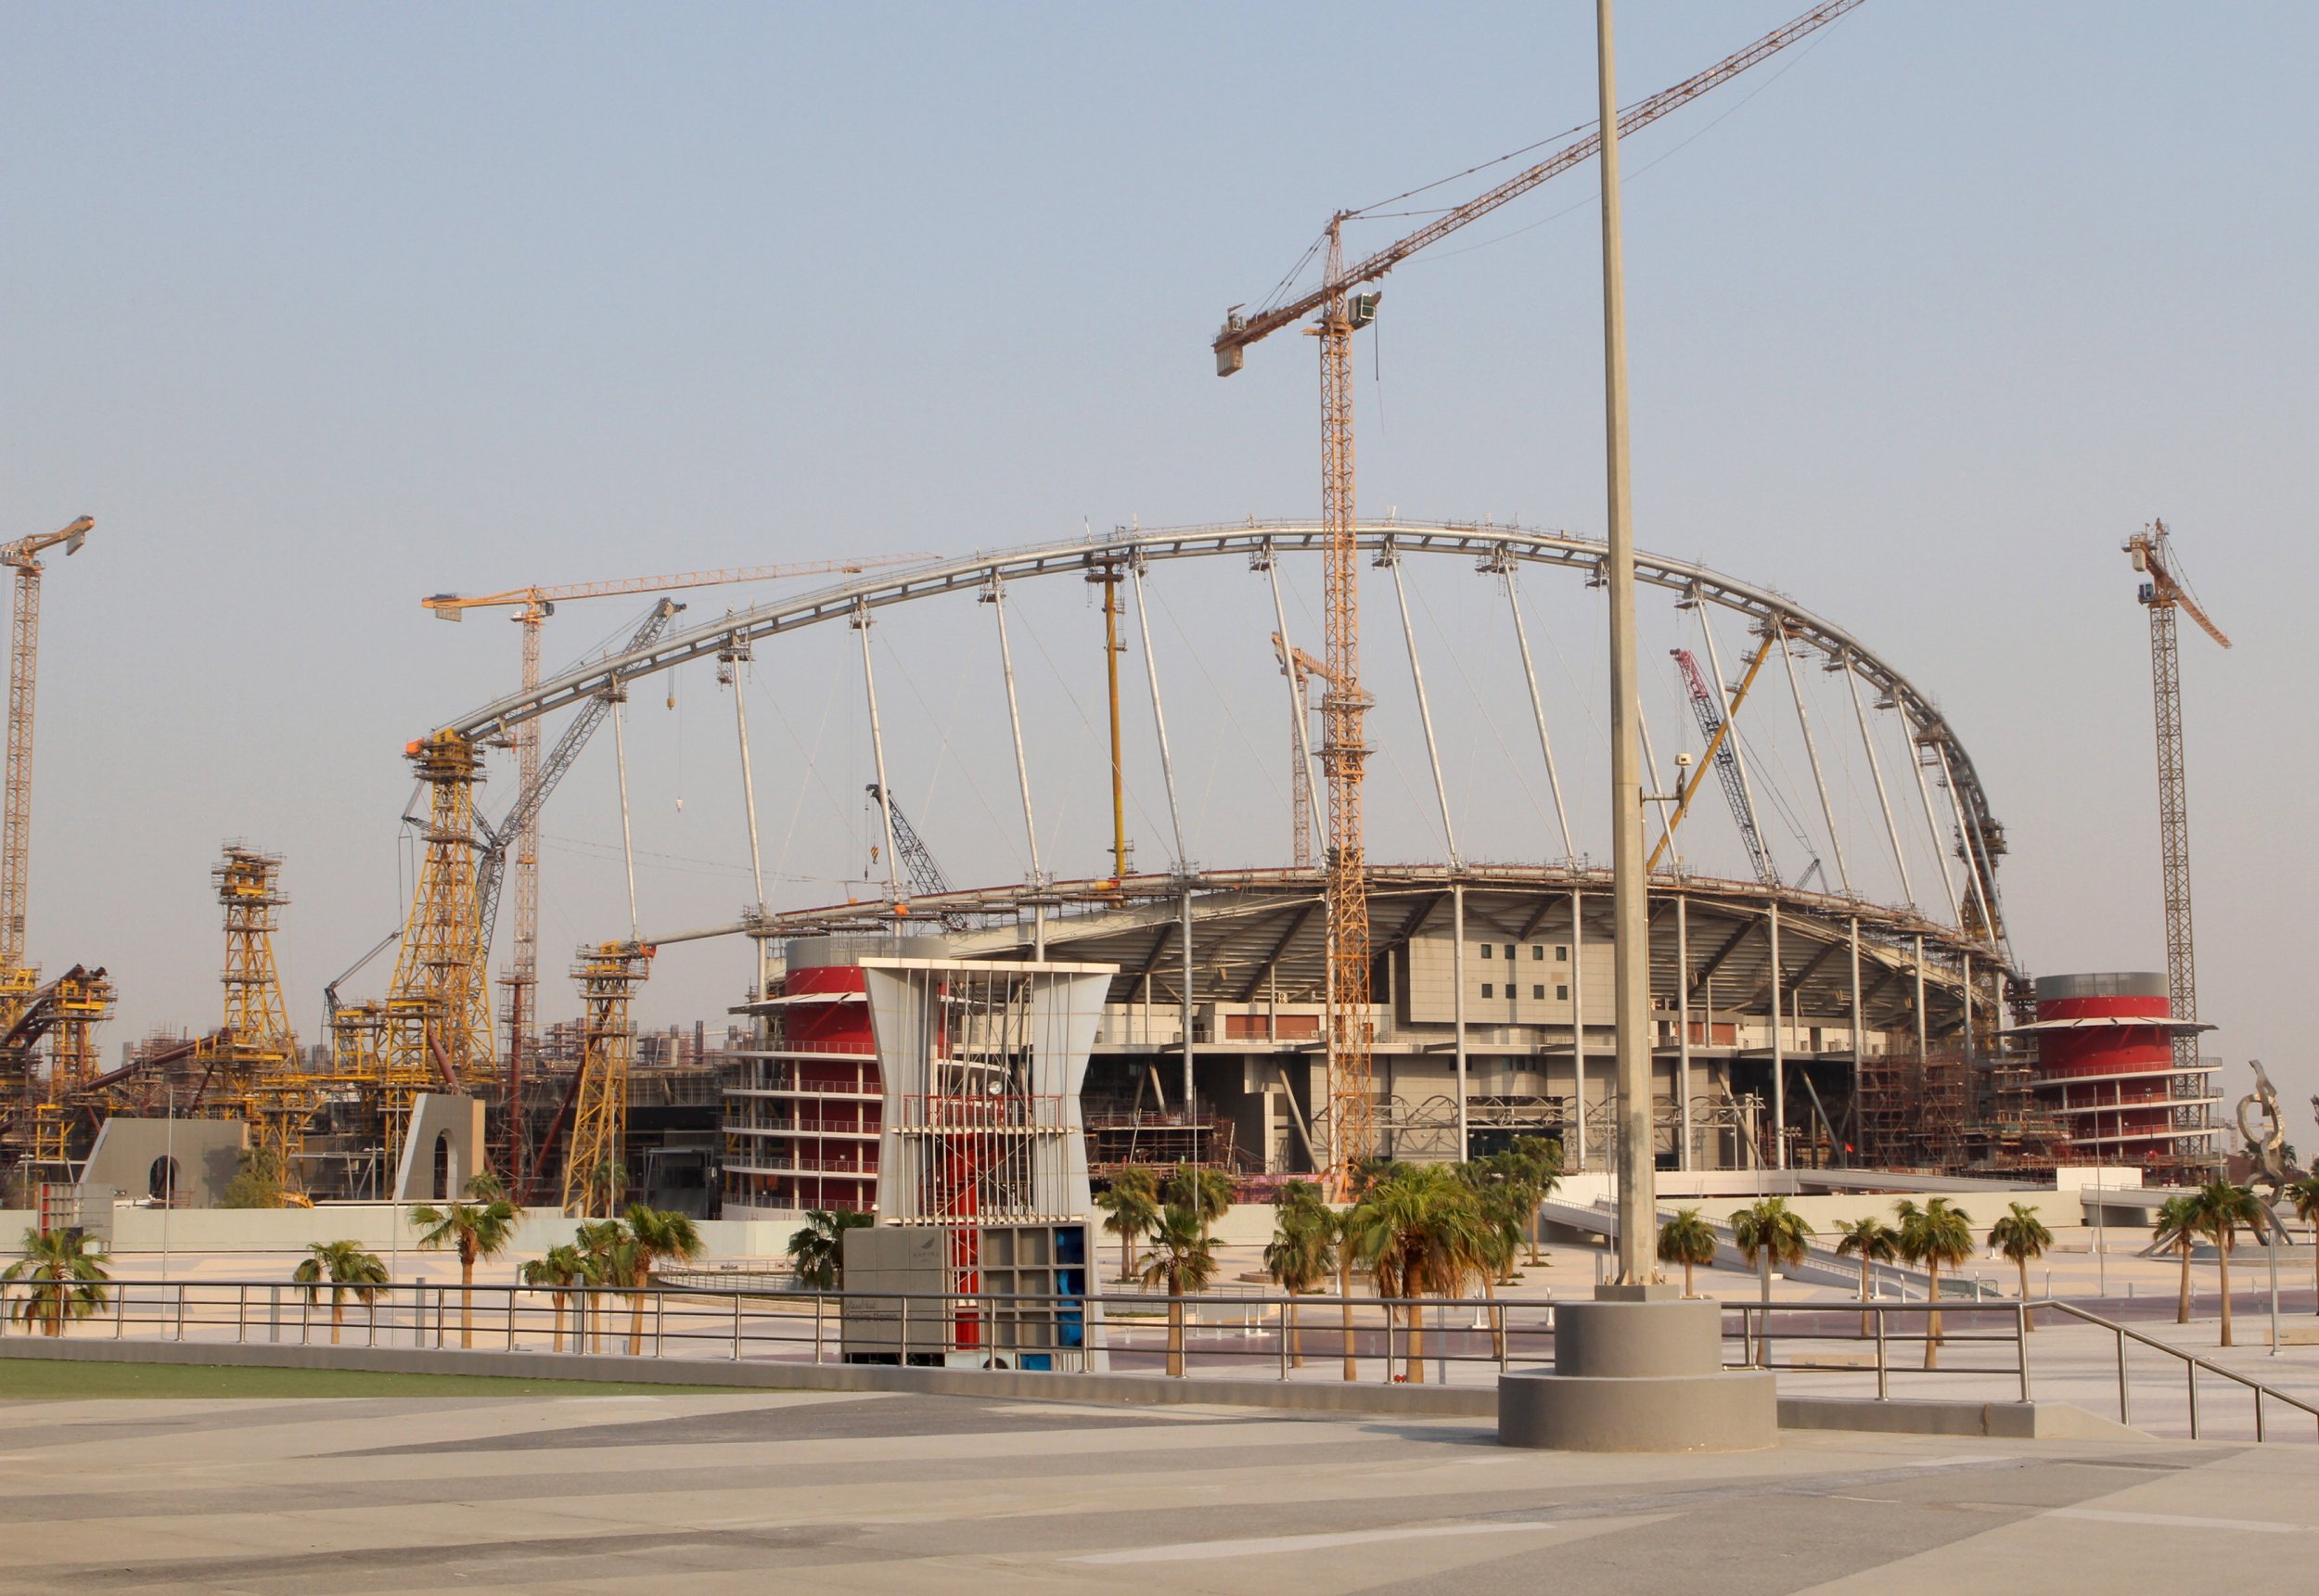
(207, 1151)
(457, 1124)
(139, 1229)
(1479, 1403)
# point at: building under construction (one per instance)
(1798, 1018)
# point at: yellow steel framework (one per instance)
(596, 1155)
(251, 1069)
(79, 1001)
(434, 1031)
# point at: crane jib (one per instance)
(1241, 331)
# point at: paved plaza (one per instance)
(931, 1494)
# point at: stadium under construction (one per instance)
(1803, 1019)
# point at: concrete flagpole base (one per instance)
(1638, 1370)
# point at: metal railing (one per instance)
(2191, 1364)
(752, 1317)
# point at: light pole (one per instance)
(1637, 1199)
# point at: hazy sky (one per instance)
(321, 309)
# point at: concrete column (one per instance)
(1578, 1019)
(1457, 975)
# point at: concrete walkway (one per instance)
(913, 1494)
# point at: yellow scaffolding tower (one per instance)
(594, 1159)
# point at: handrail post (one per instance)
(181, 1310)
(241, 1315)
(736, 1327)
(660, 1320)
(1388, 1343)
(901, 1358)
(1283, 1342)
(121, 1308)
(2259, 1436)
(2191, 1364)
(2021, 1345)
(2125, 1409)
(820, 1301)
(1884, 1366)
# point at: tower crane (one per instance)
(2162, 594)
(532, 605)
(15, 815)
(1301, 670)
(1340, 307)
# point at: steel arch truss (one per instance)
(1982, 841)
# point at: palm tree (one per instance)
(2177, 1229)
(1763, 1231)
(1874, 1241)
(819, 1249)
(558, 1269)
(653, 1235)
(65, 1273)
(1182, 1261)
(1689, 1240)
(479, 1228)
(1418, 1229)
(2020, 1236)
(1540, 1158)
(603, 1246)
(1302, 1251)
(605, 1184)
(2220, 1208)
(348, 1268)
(1934, 1236)
(1131, 1206)
(2304, 1194)
(1206, 1193)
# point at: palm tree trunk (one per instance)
(2222, 1265)
(467, 1300)
(1413, 1360)
(2182, 1307)
(1127, 1256)
(1687, 1279)
(635, 1313)
(1295, 1332)
(1176, 1333)
(1344, 1298)
(1932, 1319)
(1497, 1322)
(338, 1318)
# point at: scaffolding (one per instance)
(596, 1162)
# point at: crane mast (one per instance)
(1353, 1113)
(2162, 595)
(16, 818)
